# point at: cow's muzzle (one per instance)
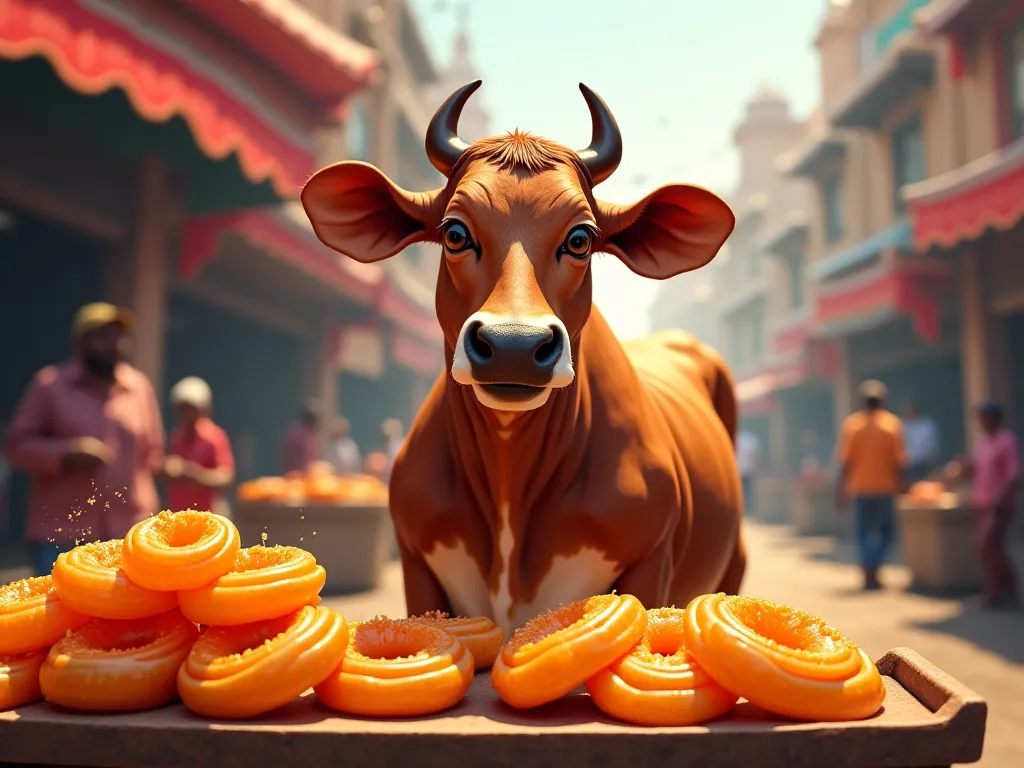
(513, 363)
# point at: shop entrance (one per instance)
(367, 402)
(1015, 362)
(255, 372)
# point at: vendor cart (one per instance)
(929, 719)
(353, 541)
(938, 545)
(812, 506)
(772, 499)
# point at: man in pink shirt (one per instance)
(90, 435)
(994, 470)
(301, 445)
(200, 464)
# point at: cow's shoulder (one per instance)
(427, 490)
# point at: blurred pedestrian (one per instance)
(301, 445)
(994, 471)
(872, 462)
(90, 435)
(921, 436)
(393, 436)
(812, 458)
(748, 458)
(376, 464)
(345, 453)
(200, 465)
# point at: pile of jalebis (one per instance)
(178, 610)
(318, 485)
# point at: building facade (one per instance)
(917, 172)
(169, 185)
(969, 207)
(394, 356)
(895, 258)
(139, 140)
(751, 302)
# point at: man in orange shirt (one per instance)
(200, 463)
(872, 463)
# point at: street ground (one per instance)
(985, 651)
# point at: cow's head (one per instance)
(519, 224)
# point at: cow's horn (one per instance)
(604, 154)
(444, 147)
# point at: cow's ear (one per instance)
(358, 211)
(674, 229)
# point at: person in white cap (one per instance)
(200, 464)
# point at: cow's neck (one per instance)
(511, 459)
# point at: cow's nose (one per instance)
(513, 353)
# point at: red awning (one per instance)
(274, 232)
(940, 18)
(399, 308)
(793, 335)
(963, 204)
(424, 359)
(913, 288)
(325, 63)
(93, 53)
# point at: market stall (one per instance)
(343, 520)
(812, 508)
(937, 541)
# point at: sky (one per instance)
(676, 73)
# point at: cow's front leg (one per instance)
(423, 591)
(648, 580)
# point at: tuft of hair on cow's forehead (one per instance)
(521, 152)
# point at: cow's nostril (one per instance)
(547, 354)
(476, 346)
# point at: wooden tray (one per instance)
(929, 720)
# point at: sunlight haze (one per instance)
(676, 73)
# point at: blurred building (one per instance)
(969, 208)
(763, 297)
(151, 155)
(891, 314)
(145, 149)
(920, 192)
(388, 362)
(751, 301)
(893, 250)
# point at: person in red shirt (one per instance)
(301, 446)
(200, 464)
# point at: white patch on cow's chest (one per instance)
(461, 579)
(582, 574)
(501, 598)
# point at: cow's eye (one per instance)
(578, 243)
(456, 237)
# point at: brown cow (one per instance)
(550, 462)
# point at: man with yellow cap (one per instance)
(872, 463)
(89, 433)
